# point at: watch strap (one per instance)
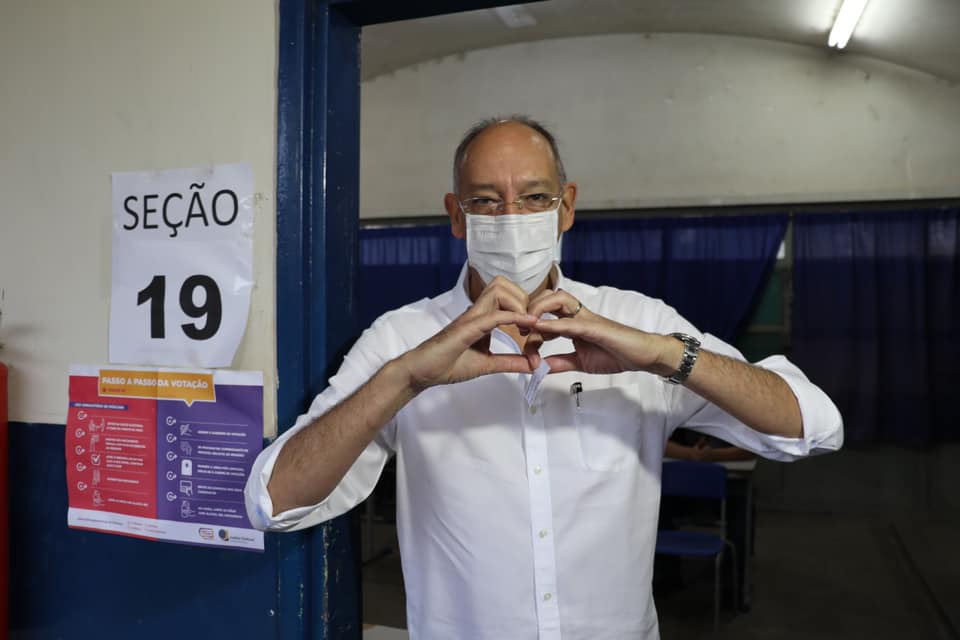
(691, 351)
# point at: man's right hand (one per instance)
(461, 351)
(316, 458)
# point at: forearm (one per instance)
(314, 461)
(757, 397)
(677, 451)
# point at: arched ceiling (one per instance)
(920, 34)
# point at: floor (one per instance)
(823, 576)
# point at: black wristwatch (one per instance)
(691, 350)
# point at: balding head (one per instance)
(539, 133)
(503, 160)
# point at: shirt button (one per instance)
(547, 596)
(543, 533)
(537, 469)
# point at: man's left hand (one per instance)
(600, 345)
(759, 398)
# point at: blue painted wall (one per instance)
(73, 584)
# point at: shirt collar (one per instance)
(457, 299)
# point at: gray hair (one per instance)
(485, 124)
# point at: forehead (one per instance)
(509, 147)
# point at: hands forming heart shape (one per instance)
(461, 351)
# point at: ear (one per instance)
(458, 224)
(568, 208)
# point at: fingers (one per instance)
(501, 293)
(482, 325)
(563, 362)
(559, 302)
(508, 363)
(531, 349)
(566, 327)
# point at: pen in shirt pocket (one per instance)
(575, 389)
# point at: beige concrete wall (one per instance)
(92, 88)
(672, 119)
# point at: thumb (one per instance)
(531, 348)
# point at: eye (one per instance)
(538, 198)
(482, 201)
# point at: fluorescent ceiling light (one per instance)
(847, 19)
(515, 16)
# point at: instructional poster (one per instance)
(163, 454)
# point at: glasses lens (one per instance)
(538, 201)
(483, 206)
(534, 202)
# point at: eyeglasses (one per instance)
(533, 202)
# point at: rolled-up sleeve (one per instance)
(363, 361)
(822, 423)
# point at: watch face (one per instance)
(686, 339)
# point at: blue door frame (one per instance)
(318, 141)
(318, 166)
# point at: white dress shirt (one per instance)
(517, 521)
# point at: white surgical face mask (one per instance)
(520, 247)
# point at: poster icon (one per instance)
(97, 498)
(80, 432)
(186, 487)
(185, 429)
(186, 448)
(95, 458)
(171, 456)
(81, 467)
(171, 496)
(171, 475)
(186, 511)
(171, 438)
(171, 421)
(186, 467)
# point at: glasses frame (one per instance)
(518, 203)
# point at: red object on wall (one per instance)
(4, 511)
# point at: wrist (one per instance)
(397, 375)
(688, 358)
(670, 355)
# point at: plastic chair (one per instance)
(690, 479)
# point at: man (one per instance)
(526, 503)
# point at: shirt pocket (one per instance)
(608, 428)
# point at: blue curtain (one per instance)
(876, 321)
(399, 265)
(710, 269)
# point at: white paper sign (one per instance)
(182, 265)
